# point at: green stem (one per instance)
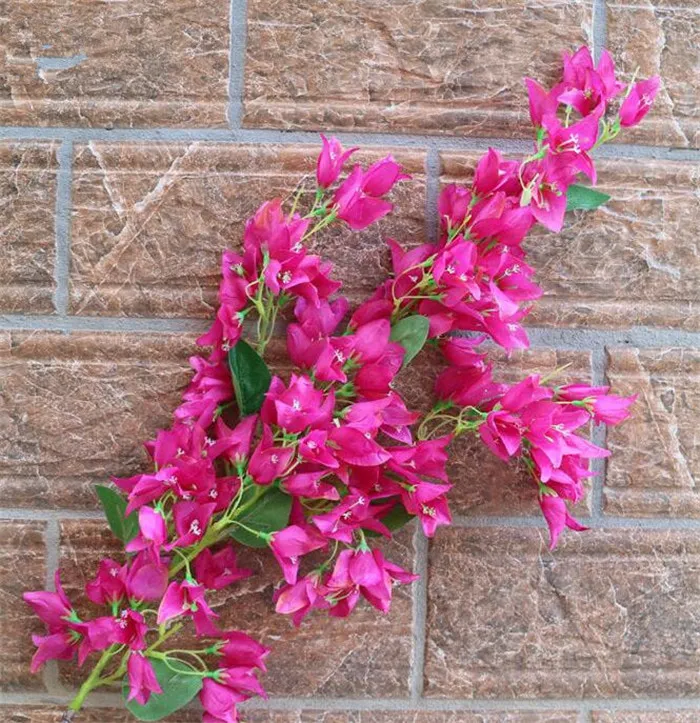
(93, 679)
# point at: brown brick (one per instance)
(610, 613)
(53, 714)
(425, 66)
(173, 71)
(75, 409)
(23, 565)
(407, 716)
(28, 193)
(364, 655)
(151, 221)
(648, 716)
(631, 261)
(21, 714)
(655, 466)
(659, 38)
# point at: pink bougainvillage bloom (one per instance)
(321, 460)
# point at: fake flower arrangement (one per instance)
(329, 459)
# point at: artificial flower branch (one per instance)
(315, 467)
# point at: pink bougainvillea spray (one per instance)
(319, 465)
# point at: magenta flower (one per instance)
(557, 517)
(291, 543)
(356, 208)
(311, 485)
(153, 533)
(191, 522)
(638, 103)
(453, 205)
(146, 579)
(300, 599)
(52, 608)
(218, 570)
(57, 646)
(268, 462)
(357, 448)
(219, 702)
(240, 650)
(187, 598)
(236, 441)
(142, 679)
(330, 161)
(382, 176)
(109, 585)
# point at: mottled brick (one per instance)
(660, 38)
(23, 565)
(655, 466)
(610, 613)
(367, 654)
(151, 221)
(67, 63)
(408, 716)
(27, 205)
(647, 716)
(75, 408)
(53, 714)
(633, 261)
(22, 714)
(422, 66)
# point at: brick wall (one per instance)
(136, 138)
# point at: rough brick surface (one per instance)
(612, 612)
(659, 39)
(150, 222)
(422, 66)
(69, 64)
(23, 565)
(655, 464)
(74, 409)
(27, 207)
(649, 716)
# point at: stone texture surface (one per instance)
(407, 716)
(365, 655)
(75, 408)
(612, 613)
(21, 714)
(634, 261)
(48, 714)
(27, 205)
(150, 222)
(23, 565)
(70, 63)
(484, 484)
(648, 716)
(419, 66)
(660, 38)
(655, 466)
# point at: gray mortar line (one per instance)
(420, 607)
(237, 53)
(64, 185)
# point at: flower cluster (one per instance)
(319, 463)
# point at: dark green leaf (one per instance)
(178, 690)
(411, 333)
(251, 377)
(269, 514)
(395, 519)
(584, 198)
(124, 526)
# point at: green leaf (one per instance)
(269, 514)
(124, 526)
(395, 519)
(178, 690)
(584, 198)
(411, 333)
(251, 377)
